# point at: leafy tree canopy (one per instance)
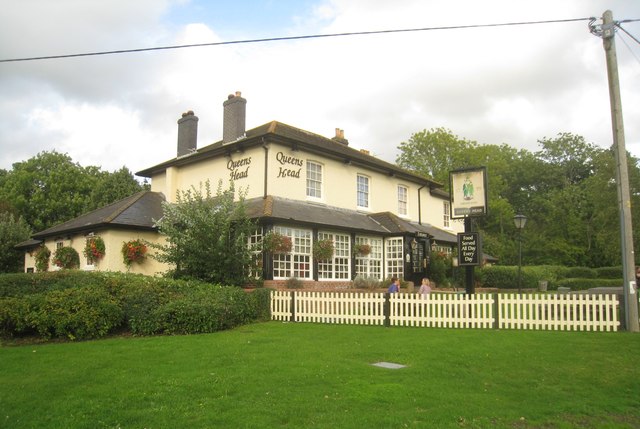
(567, 190)
(50, 188)
(12, 231)
(207, 236)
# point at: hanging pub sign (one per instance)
(468, 192)
(469, 248)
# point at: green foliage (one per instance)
(569, 181)
(440, 268)
(506, 277)
(50, 188)
(81, 313)
(66, 258)
(610, 272)
(274, 242)
(94, 249)
(42, 255)
(323, 250)
(581, 272)
(362, 282)
(207, 236)
(293, 283)
(78, 305)
(133, 251)
(576, 284)
(13, 230)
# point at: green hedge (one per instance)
(584, 284)
(506, 277)
(610, 272)
(83, 305)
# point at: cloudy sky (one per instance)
(509, 84)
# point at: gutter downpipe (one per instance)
(265, 146)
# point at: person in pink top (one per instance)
(425, 287)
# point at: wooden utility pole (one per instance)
(622, 176)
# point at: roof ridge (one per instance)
(134, 198)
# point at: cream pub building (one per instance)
(310, 187)
(302, 185)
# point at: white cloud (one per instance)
(511, 85)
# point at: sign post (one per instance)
(469, 196)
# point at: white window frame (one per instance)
(394, 257)
(370, 266)
(296, 263)
(314, 180)
(446, 217)
(403, 200)
(363, 189)
(339, 267)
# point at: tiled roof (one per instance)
(279, 209)
(137, 211)
(298, 139)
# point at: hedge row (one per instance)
(576, 278)
(81, 305)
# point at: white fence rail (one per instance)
(575, 312)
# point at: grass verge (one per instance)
(283, 375)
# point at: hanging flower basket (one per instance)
(362, 249)
(42, 255)
(274, 242)
(323, 250)
(94, 249)
(133, 251)
(66, 258)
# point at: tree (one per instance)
(433, 153)
(207, 236)
(12, 232)
(50, 188)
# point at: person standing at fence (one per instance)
(425, 287)
(395, 285)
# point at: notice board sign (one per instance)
(469, 248)
(468, 192)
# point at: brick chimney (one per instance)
(340, 137)
(233, 121)
(187, 133)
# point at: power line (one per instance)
(628, 34)
(279, 39)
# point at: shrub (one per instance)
(506, 277)
(576, 284)
(206, 310)
(74, 313)
(293, 283)
(361, 282)
(610, 272)
(274, 242)
(440, 267)
(581, 272)
(260, 304)
(13, 316)
(66, 258)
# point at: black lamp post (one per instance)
(520, 221)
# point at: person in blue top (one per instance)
(395, 285)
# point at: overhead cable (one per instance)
(279, 39)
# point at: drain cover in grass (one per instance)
(389, 365)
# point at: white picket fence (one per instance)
(573, 312)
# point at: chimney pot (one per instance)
(187, 133)
(234, 118)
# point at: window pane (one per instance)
(363, 191)
(314, 180)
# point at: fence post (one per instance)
(387, 309)
(496, 314)
(293, 306)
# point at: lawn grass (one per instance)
(285, 375)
